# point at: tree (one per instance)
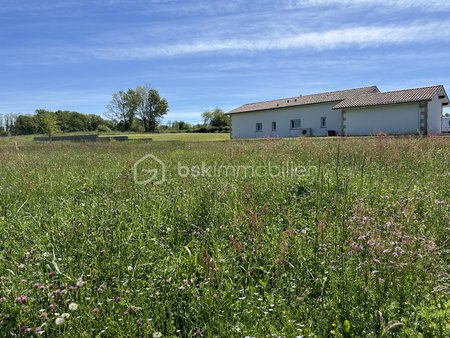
(46, 122)
(95, 122)
(123, 107)
(216, 118)
(151, 107)
(69, 121)
(25, 125)
(181, 125)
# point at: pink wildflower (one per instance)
(21, 299)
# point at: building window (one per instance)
(274, 126)
(259, 127)
(296, 124)
(323, 122)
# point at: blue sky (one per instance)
(73, 54)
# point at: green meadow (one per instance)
(355, 244)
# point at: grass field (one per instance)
(184, 137)
(181, 137)
(357, 245)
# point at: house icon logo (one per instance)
(149, 169)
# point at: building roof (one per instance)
(395, 97)
(305, 100)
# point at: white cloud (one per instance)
(360, 37)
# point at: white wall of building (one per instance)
(390, 119)
(446, 124)
(244, 124)
(435, 115)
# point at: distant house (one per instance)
(446, 124)
(360, 111)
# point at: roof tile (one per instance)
(306, 100)
(400, 96)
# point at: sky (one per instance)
(74, 54)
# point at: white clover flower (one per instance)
(65, 315)
(130, 268)
(59, 321)
(73, 306)
(157, 334)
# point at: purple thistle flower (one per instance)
(21, 299)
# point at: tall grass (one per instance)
(360, 247)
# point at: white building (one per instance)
(446, 124)
(361, 111)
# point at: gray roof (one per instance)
(306, 100)
(395, 97)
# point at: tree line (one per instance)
(137, 110)
(50, 122)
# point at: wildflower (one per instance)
(101, 288)
(135, 309)
(24, 328)
(21, 299)
(357, 247)
(439, 203)
(157, 334)
(59, 321)
(73, 306)
(44, 314)
(118, 299)
(398, 251)
(96, 310)
(39, 330)
(39, 286)
(130, 268)
(65, 315)
(80, 283)
(3, 299)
